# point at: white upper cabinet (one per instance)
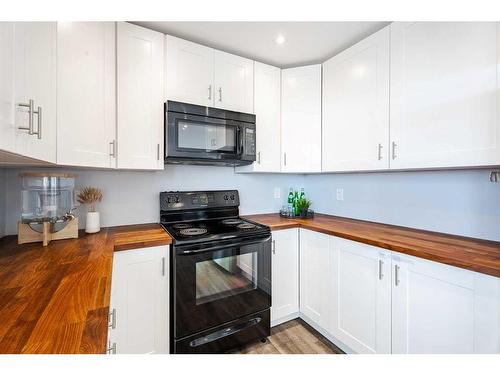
(86, 95)
(440, 309)
(285, 275)
(7, 102)
(356, 107)
(201, 75)
(28, 89)
(233, 82)
(301, 119)
(444, 94)
(267, 104)
(190, 72)
(361, 316)
(316, 288)
(35, 80)
(140, 97)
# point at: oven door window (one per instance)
(196, 136)
(224, 276)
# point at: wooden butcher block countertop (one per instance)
(464, 252)
(55, 299)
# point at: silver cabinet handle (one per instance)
(112, 318)
(163, 266)
(380, 271)
(38, 112)
(209, 92)
(220, 94)
(30, 105)
(394, 145)
(258, 157)
(111, 348)
(274, 246)
(396, 275)
(284, 159)
(113, 148)
(380, 146)
(158, 152)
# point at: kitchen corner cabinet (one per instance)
(267, 104)
(301, 119)
(27, 75)
(316, 290)
(285, 276)
(140, 97)
(361, 307)
(442, 309)
(356, 107)
(444, 94)
(139, 302)
(201, 75)
(86, 95)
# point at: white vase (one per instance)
(93, 222)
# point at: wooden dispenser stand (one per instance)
(27, 235)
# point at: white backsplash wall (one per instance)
(457, 202)
(132, 197)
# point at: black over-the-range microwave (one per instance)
(203, 135)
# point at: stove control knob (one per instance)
(168, 200)
(232, 197)
(225, 197)
(177, 199)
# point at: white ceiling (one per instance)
(306, 42)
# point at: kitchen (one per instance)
(191, 136)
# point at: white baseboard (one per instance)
(326, 335)
(284, 319)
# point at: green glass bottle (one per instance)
(302, 193)
(290, 201)
(295, 205)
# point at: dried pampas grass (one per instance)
(90, 195)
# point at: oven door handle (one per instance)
(220, 247)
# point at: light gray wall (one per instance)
(458, 202)
(132, 197)
(3, 198)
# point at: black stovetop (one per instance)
(213, 229)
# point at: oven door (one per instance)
(217, 283)
(202, 138)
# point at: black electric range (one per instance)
(220, 272)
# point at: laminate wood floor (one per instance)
(293, 337)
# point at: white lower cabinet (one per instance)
(285, 276)
(361, 307)
(139, 302)
(315, 278)
(442, 309)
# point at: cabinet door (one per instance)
(7, 128)
(35, 79)
(285, 276)
(267, 103)
(140, 97)
(233, 80)
(301, 119)
(86, 95)
(362, 302)
(442, 309)
(316, 290)
(139, 290)
(190, 72)
(356, 107)
(444, 94)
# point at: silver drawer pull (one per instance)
(380, 271)
(394, 145)
(396, 275)
(380, 151)
(112, 318)
(30, 105)
(111, 348)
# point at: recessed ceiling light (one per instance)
(280, 39)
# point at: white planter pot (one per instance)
(93, 222)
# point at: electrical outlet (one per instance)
(277, 193)
(340, 194)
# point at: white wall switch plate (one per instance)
(277, 192)
(340, 194)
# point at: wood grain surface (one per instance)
(464, 252)
(55, 299)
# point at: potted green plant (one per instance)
(303, 205)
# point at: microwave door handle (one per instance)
(220, 247)
(238, 141)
